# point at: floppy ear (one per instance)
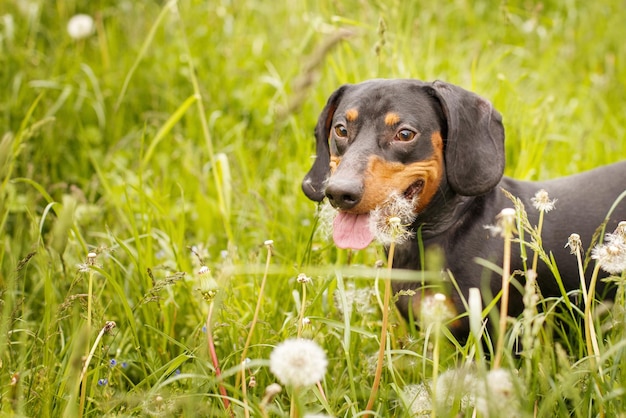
(313, 183)
(474, 153)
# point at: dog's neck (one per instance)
(437, 223)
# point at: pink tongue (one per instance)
(352, 231)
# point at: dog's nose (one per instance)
(344, 193)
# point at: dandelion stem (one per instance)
(591, 340)
(215, 360)
(383, 333)
(255, 319)
(539, 228)
(83, 377)
(301, 317)
(83, 373)
(504, 301)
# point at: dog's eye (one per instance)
(405, 135)
(341, 131)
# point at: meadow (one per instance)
(155, 246)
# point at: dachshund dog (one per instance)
(442, 148)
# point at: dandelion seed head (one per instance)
(574, 243)
(360, 298)
(456, 385)
(390, 222)
(434, 310)
(298, 362)
(499, 394)
(326, 214)
(611, 256)
(80, 26)
(541, 201)
(304, 279)
(418, 400)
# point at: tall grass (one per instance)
(175, 137)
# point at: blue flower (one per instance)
(103, 382)
(113, 362)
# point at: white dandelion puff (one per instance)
(541, 201)
(298, 362)
(390, 222)
(80, 26)
(435, 310)
(611, 256)
(417, 400)
(499, 396)
(326, 214)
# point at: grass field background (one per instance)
(176, 135)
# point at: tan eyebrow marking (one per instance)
(391, 118)
(352, 114)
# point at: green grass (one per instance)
(190, 127)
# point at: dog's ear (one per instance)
(474, 153)
(313, 183)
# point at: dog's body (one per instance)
(443, 148)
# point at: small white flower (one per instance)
(298, 362)
(203, 270)
(542, 201)
(268, 242)
(80, 26)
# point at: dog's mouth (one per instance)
(414, 190)
(357, 230)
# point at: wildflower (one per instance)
(304, 279)
(574, 243)
(298, 362)
(542, 201)
(112, 362)
(103, 382)
(389, 223)
(80, 26)
(124, 365)
(434, 310)
(203, 270)
(306, 321)
(268, 242)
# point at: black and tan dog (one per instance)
(443, 147)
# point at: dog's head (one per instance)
(402, 137)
